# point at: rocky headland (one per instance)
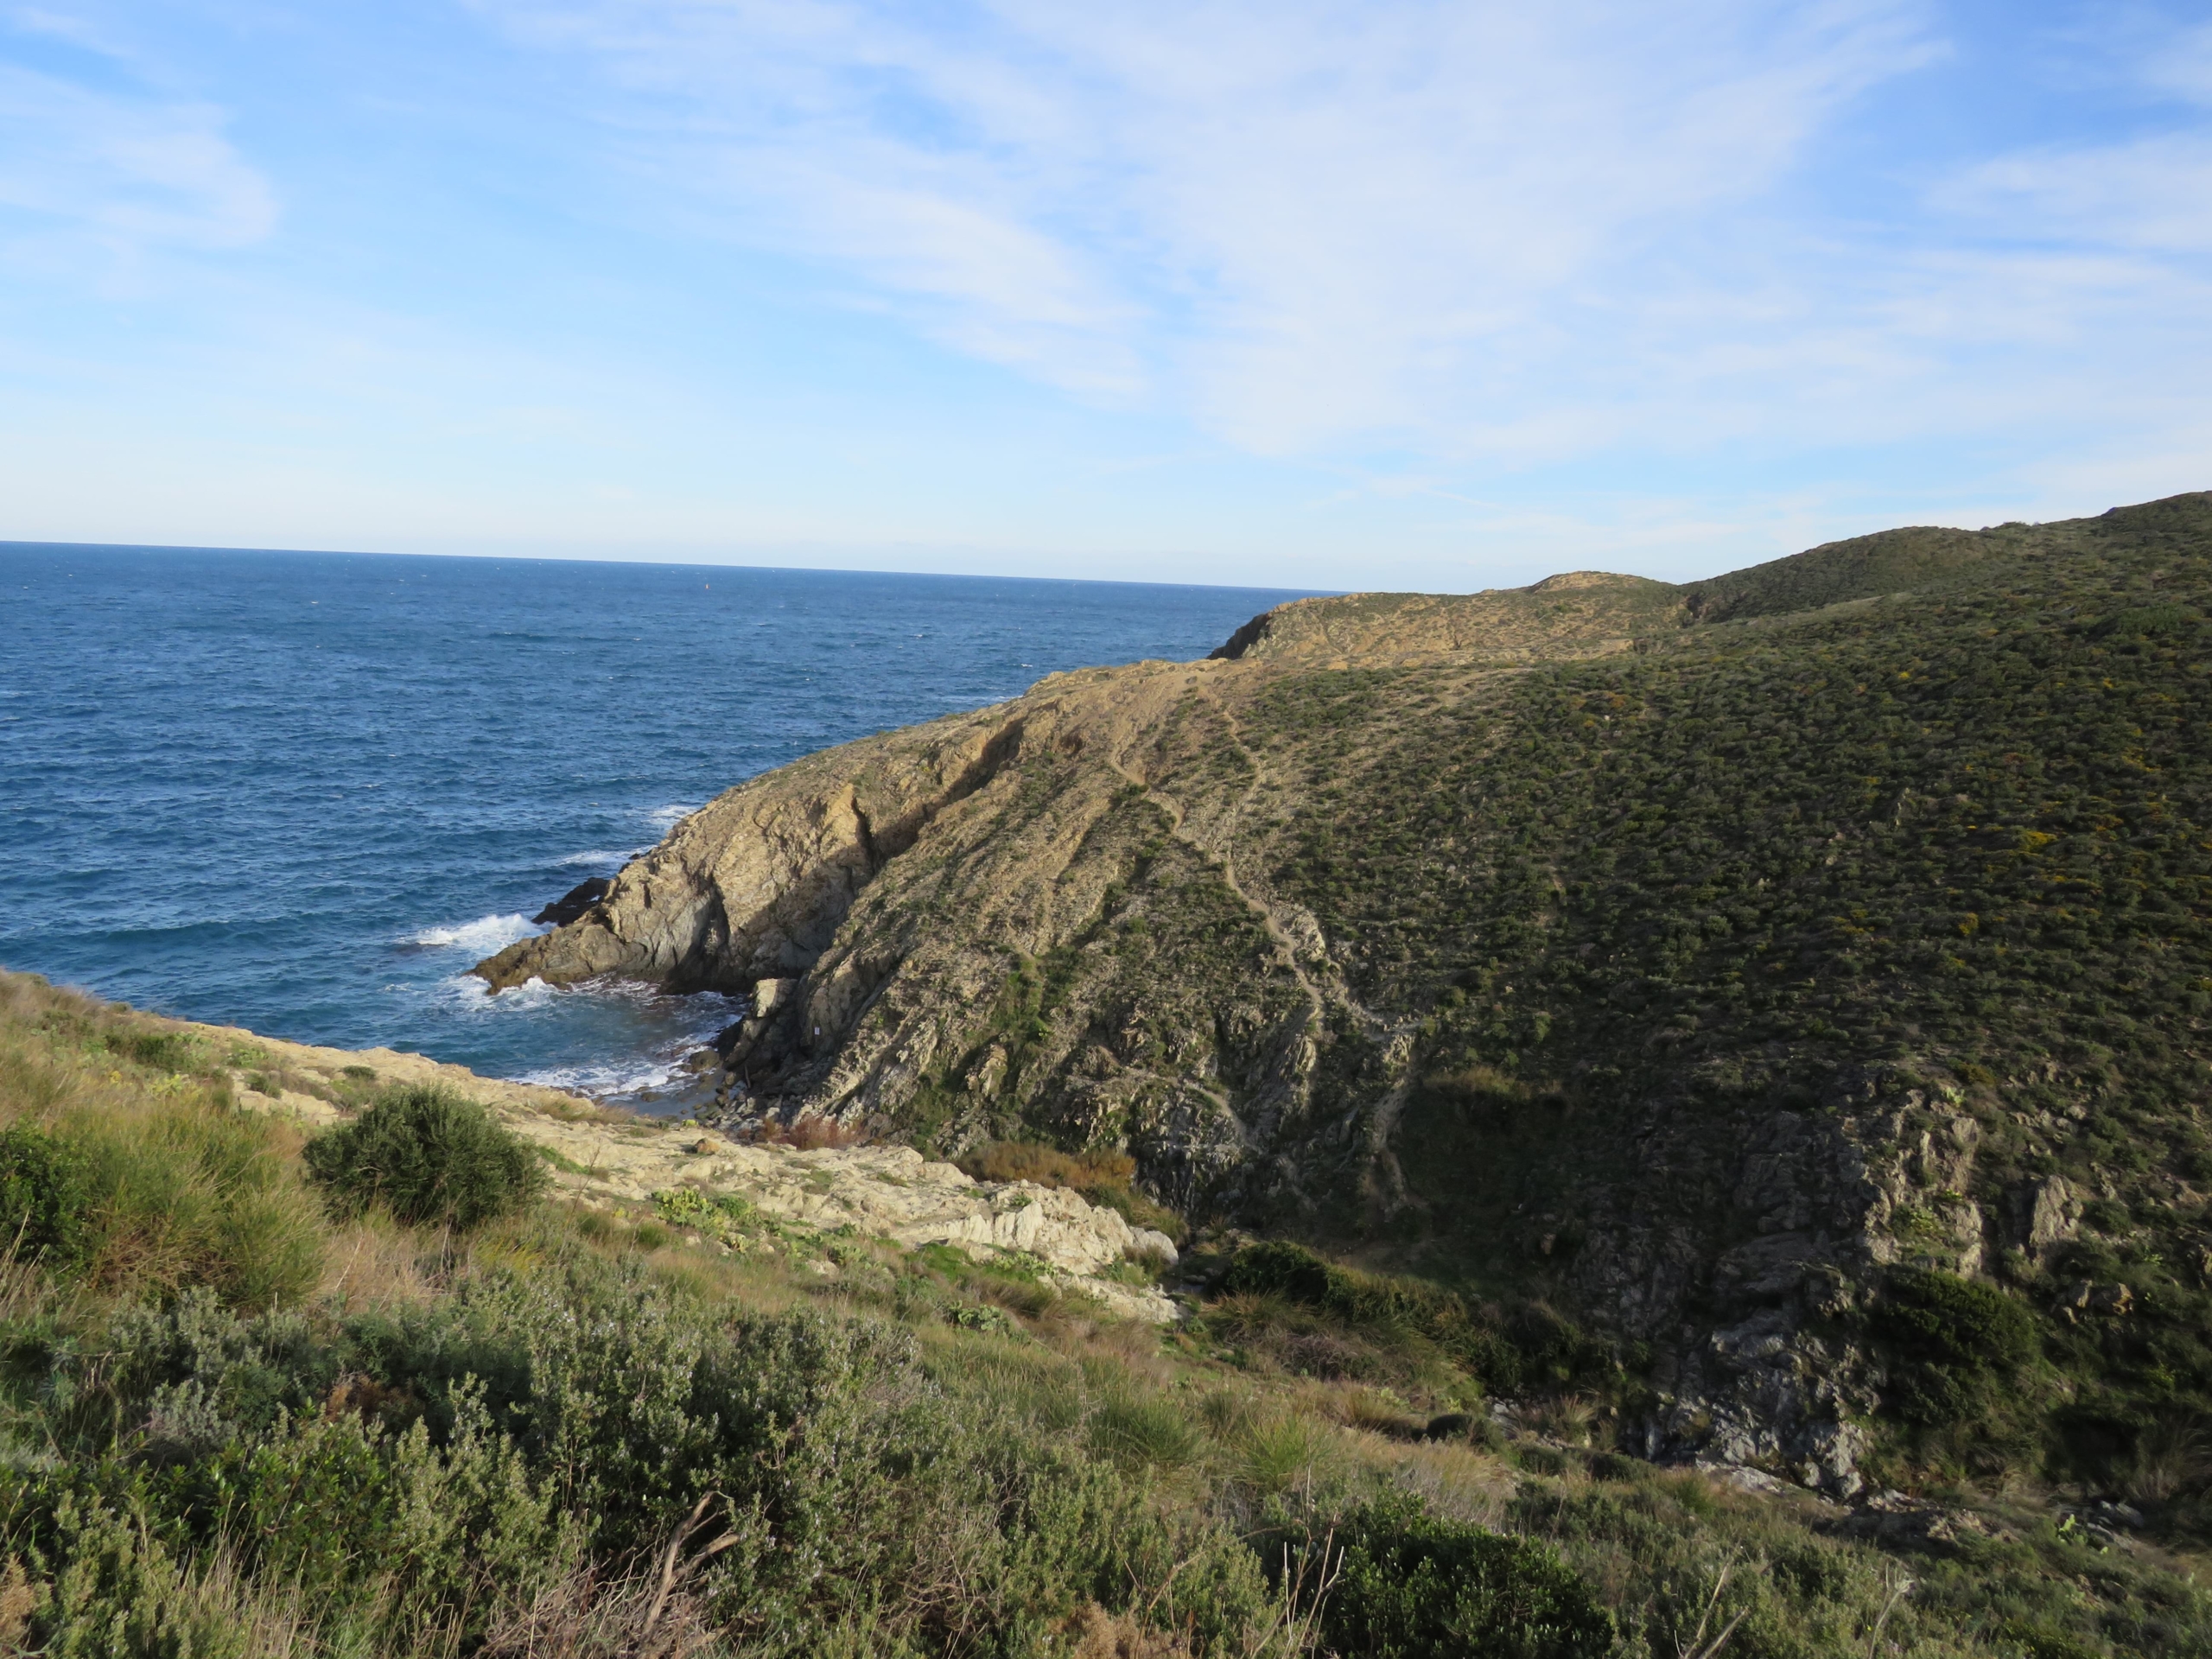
(1761, 975)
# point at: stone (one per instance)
(573, 903)
(2045, 1213)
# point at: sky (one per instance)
(1284, 293)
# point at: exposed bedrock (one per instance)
(755, 884)
(994, 924)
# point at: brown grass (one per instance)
(808, 1135)
(1026, 1160)
(1101, 1634)
(587, 1615)
(375, 1263)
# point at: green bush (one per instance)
(163, 1050)
(1415, 1585)
(412, 1481)
(1952, 1340)
(429, 1156)
(1535, 1347)
(43, 1196)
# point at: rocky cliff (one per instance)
(1700, 960)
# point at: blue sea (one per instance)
(304, 792)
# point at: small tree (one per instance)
(426, 1154)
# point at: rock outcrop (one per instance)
(612, 1159)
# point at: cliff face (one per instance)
(1691, 957)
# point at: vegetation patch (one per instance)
(427, 1155)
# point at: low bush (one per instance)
(417, 1482)
(427, 1155)
(807, 1135)
(1411, 1584)
(1103, 1178)
(43, 1196)
(1535, 1347)
(1026, 1160)
(1952, 1341)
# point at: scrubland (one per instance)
(268, 1393)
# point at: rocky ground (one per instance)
(621, 1161)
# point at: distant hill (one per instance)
(1797, 981)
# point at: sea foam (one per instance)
(485, 934)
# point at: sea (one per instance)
(305, 792)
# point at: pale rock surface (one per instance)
(890, 1193)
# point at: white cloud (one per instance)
(2154, 193)
(1300, 220)
(114, 177)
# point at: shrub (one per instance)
(1952, 1338)
(808, 1134)
(1535, 1346)
(43, 1196)
(1026, 1160)
(1415, 1585)
(163, 1050)
(428, 1155)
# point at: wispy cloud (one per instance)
(2180, 64)
(1302, 220)
(2153, 193)
(93, 175)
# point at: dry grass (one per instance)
(586, 1616)
(807, 1135)
(1025, 1160)
(375, 1263)
(1375, 1411)
(1458, 1480)
(1570, 1419)
(1100, 1635)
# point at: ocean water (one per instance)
(305, 792)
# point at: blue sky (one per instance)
(1265, 291)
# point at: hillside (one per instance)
(303, 1359)
(1764, 974)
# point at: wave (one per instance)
(601, 856)
(613, 1080)
(485, 934)
(663, 1066)
(665, 818)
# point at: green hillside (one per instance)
(1950, 851)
